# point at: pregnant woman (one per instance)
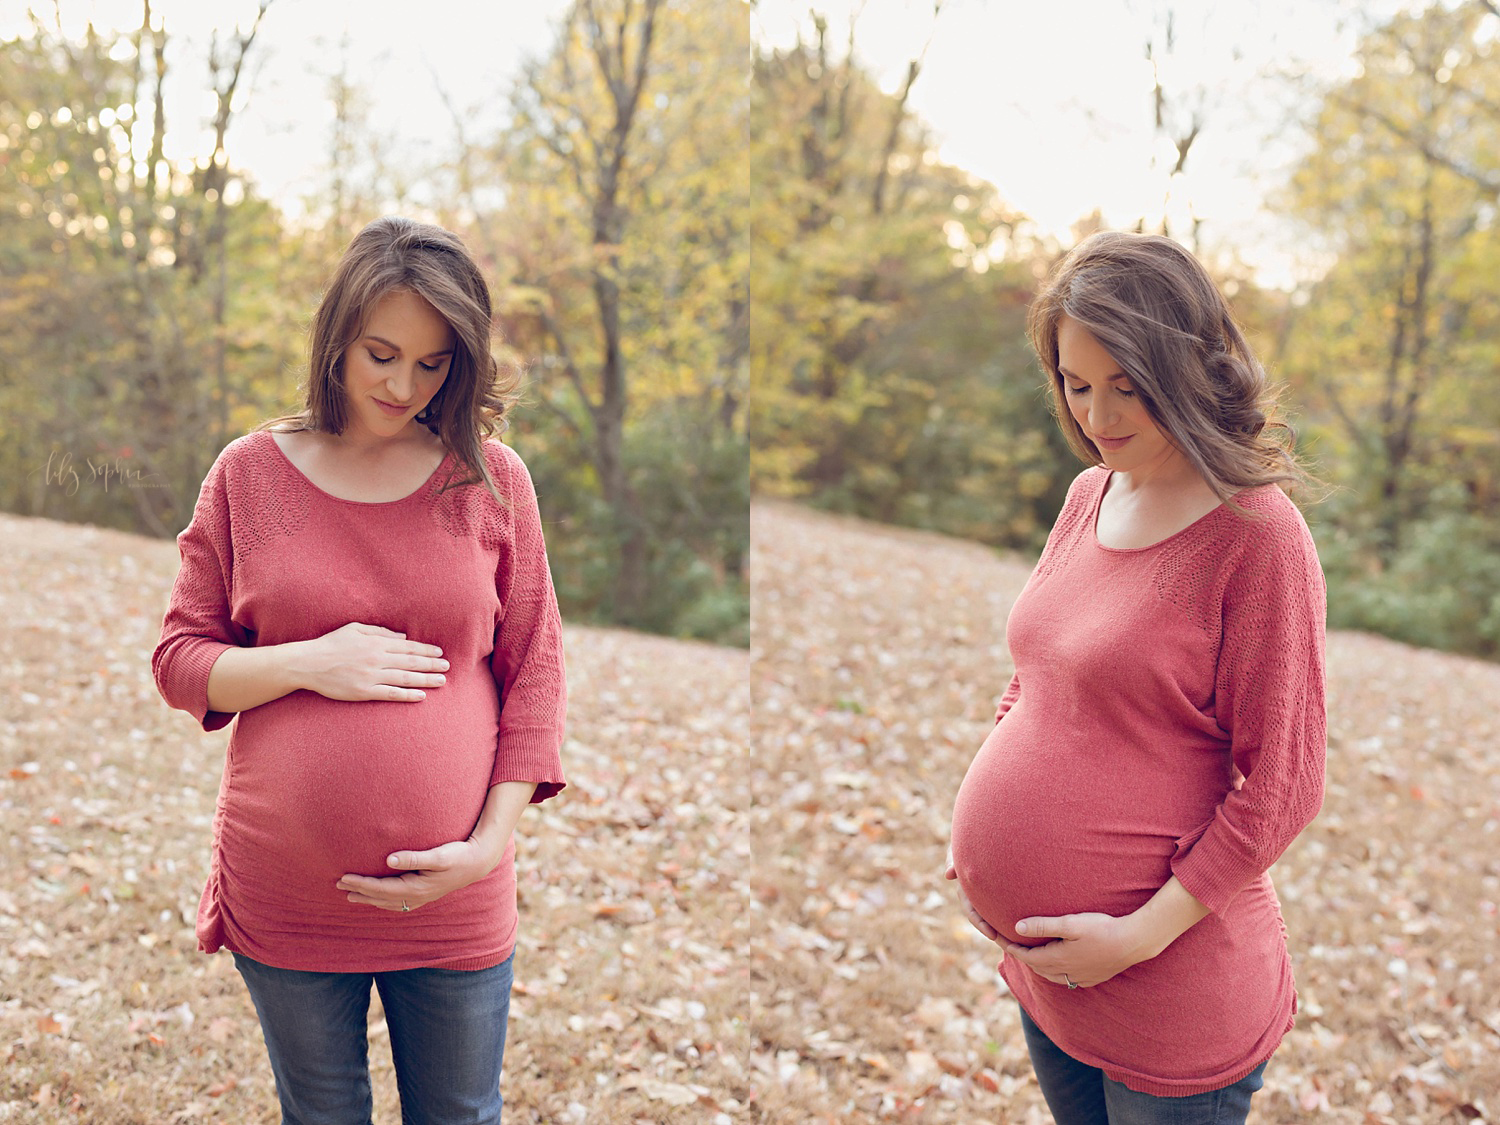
(365, 584)
(1162, 740)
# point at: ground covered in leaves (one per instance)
(631, 978)
(878, 656)
(722, 921)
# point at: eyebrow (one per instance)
(1081, 379)
(395, 348)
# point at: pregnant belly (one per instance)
(321, 787)
(1046, 825)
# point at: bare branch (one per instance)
(1489, 182)
(570, 368)
(898, 114)
(567, 420)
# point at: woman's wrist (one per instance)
(242, 678)
(1164, 918)
(497, 822)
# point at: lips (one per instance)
(389, 408)
(1111, 443)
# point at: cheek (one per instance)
(356, 369)
(431, 384)
(1077, 406)
(1144, 423)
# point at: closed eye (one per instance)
(384, 359)
(1085, 389)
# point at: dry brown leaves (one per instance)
(631, 970)
(877, 658)
(722, 923)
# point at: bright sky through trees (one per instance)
(1050, 102)
(402, 57)
(1053, 103)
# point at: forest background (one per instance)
(891, 373)
(152, 306)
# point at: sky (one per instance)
(281, 135)
(1050, 102)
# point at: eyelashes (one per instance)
(1075, 391)
(383, 360)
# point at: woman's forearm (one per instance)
(1166, 916)
(502, 812)
(242, 678)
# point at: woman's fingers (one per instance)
(982, 926)
(386, 904)
(989, 931)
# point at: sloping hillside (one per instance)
(630, 969)
(877, 659)
(722, 921)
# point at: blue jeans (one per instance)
(1079, 1094)
(447, 1030)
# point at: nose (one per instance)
(401, 382)
(1102, 412)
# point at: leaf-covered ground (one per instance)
(721, 921)
(877, 658)
(630, 973)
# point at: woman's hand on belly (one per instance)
(438, 871)
(358, 662)
(989, 931)
(1089, 949)
(429, 876)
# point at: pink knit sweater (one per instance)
(314, 788)
(1166, 717)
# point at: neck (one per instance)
(362, 443)
(1171, 473)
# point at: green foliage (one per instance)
(111, 399)
(150, 311)
(1441, 588)
(695, 497)
(1395, 348)
(623, 253)
(892, 378)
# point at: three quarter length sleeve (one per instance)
(197, 626)
(1269, 698)
(528, 656)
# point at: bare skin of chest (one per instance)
(396, 473)
(1139, 518)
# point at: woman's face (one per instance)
(394, 369)
(1106, 407)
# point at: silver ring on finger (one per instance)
(1069, 979)
(407, 910)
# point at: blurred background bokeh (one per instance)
(918, 168)
(177, 180)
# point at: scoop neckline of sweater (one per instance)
(421, 488)
(1094, 522)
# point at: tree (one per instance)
(624, 251)
(1397, 342)
(1416, 233)
(111, 320)
(889, 294)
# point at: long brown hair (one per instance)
(1159, 315)
(394, 254)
